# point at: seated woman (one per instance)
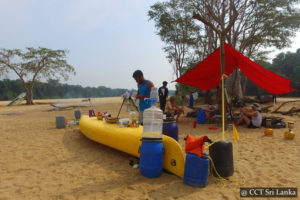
(252, 117)
(172, 109)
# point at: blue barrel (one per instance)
(151, 158)
(196, 170)
(191, 105)
(201, 117)
(77, 114)
(170, 128)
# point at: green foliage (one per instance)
(9, 89)
(249, 27)
(176, 29)
(284, 64)
(33, 64)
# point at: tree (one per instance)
(34, 64)
(254, 25)
(288, 65)
(176, 30)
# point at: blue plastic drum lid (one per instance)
(222, 155)
(170, 128)
(201, 117)
(151, 158)
(196, 170)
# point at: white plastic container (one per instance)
(153, 119)
(154, 93)
(152, 123)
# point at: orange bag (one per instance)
(195, 145)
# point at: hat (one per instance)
(256, 106)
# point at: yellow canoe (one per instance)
(128, 140)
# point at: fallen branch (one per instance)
(276, 110)
(266, 109)
(290, 112)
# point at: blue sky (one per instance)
(107, 39)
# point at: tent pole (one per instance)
(222, 38)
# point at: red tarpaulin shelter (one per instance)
(207, 74)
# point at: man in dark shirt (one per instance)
(163, 93)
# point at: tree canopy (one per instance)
(250, 26)
(34, 64)
(52, 89)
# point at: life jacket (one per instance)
(195, 145)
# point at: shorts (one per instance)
(168, 114)
(251, 125)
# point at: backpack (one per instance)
(191, 114)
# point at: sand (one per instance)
(38, 161)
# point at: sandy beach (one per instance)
(38, 161)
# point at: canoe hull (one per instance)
(128, 140)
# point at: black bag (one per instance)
(191, 114)
(275, 123)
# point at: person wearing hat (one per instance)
(252, 117)
(163, 93)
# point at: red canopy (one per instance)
(207, 74)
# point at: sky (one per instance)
(107, 39)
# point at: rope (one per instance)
(222, 179)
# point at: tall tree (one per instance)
(257, 25)
(33, 64)
(176, 30)
(288, 65)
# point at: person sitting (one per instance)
(172, 109)
(252, 117)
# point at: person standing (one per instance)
(144, 89)
(163, 94)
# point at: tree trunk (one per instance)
(208, 99)
(238, 87)
(244, 85)
(29, 95)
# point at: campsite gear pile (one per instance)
(151, 150)
(61, 121)
(107, 117)
(276, 122)
(290, 133)
(196, 162)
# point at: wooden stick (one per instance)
(276, 111)
(120, 108)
